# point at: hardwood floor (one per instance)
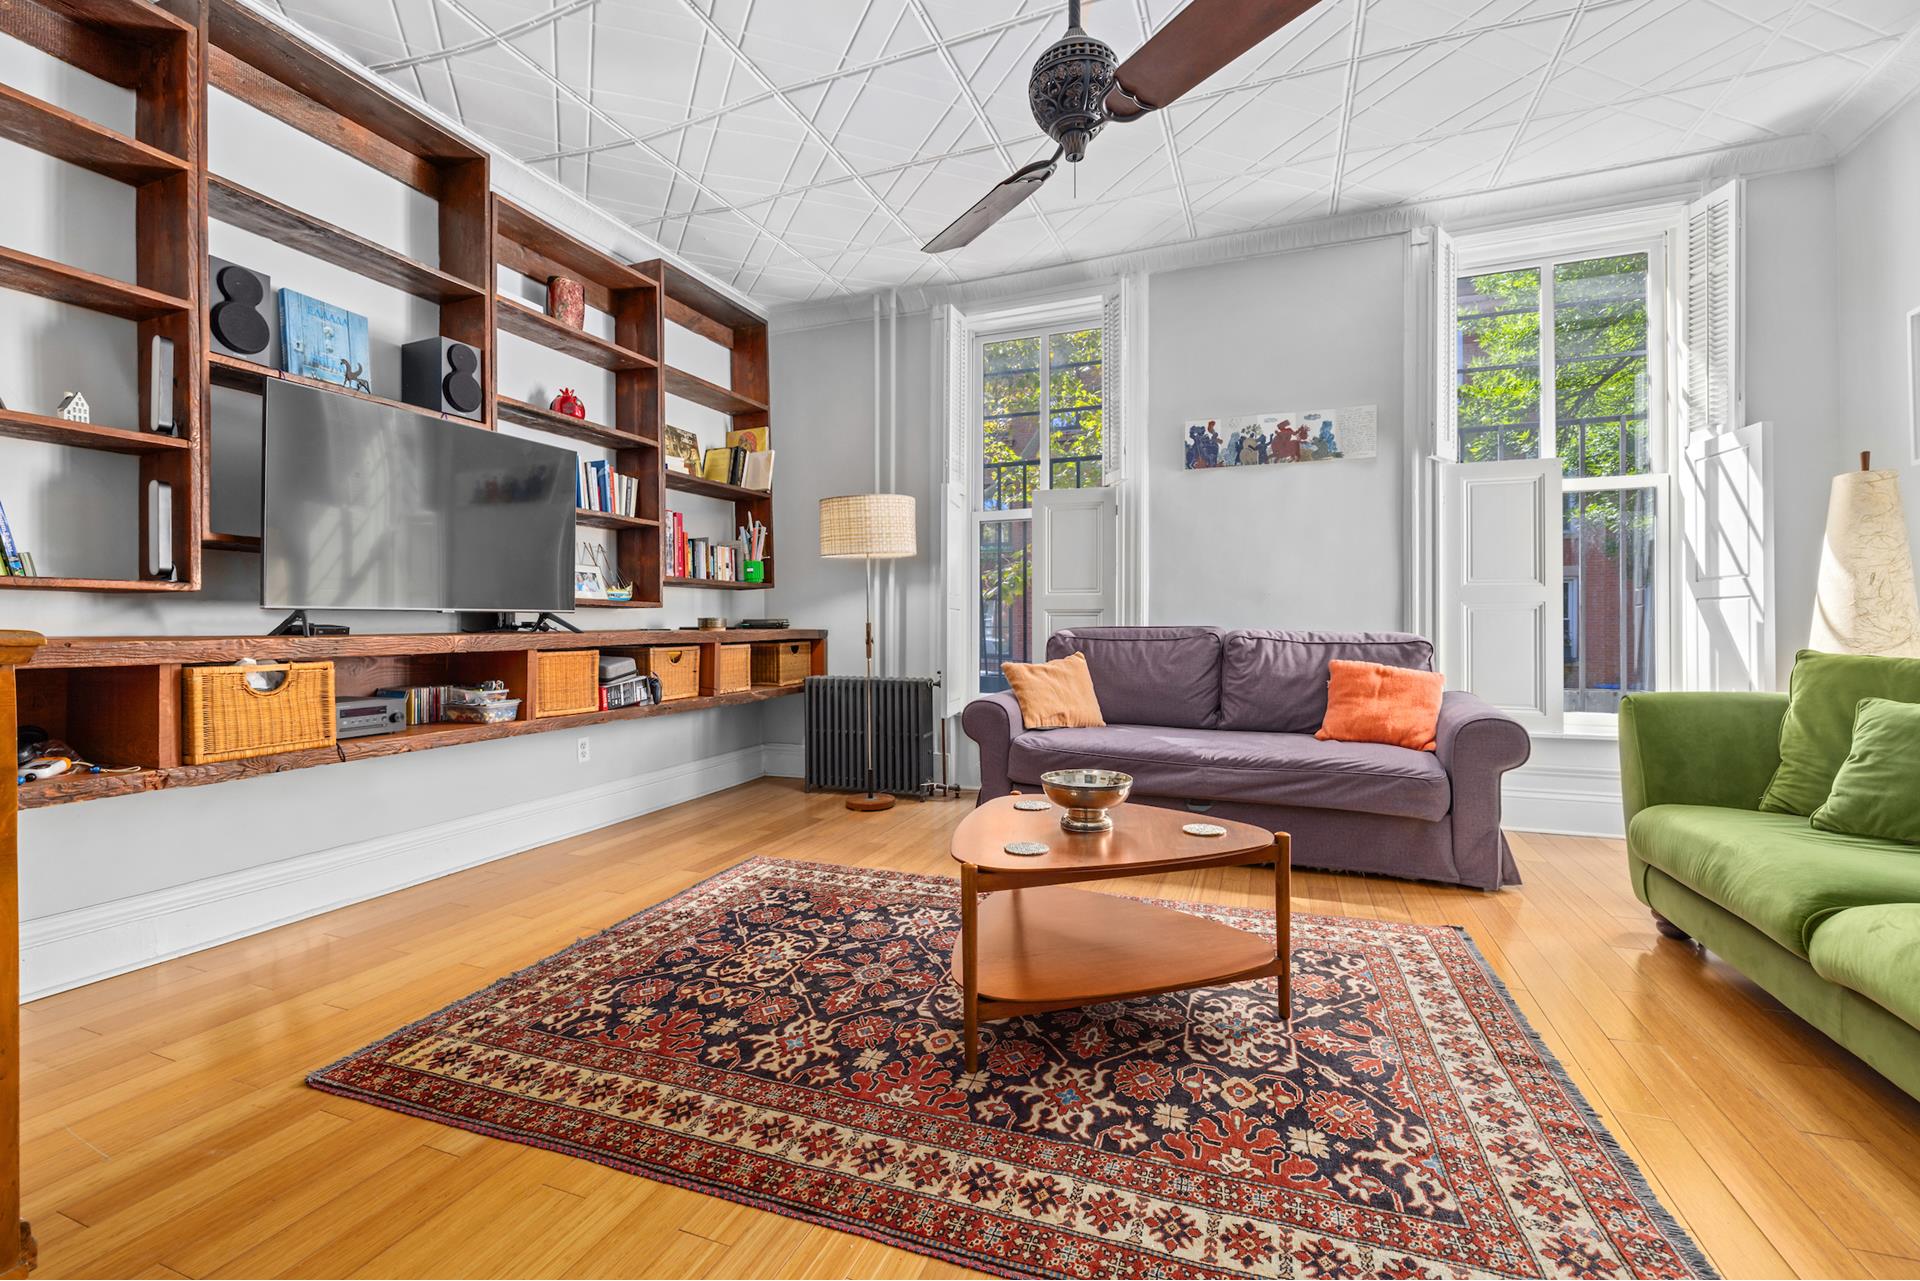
(168, 1133)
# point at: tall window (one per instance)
(1556, 359)
(1039, 402)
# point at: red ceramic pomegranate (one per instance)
(568, 403)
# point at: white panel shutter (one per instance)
(960, 585)
(1500, 625)
(1113, 367)
(1711, 335)
(1728, 638)
(1446, 347)
(1075, 580)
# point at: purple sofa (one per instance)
(1221, 723)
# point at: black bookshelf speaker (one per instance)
(241, 312)
(444, 375)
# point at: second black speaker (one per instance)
(443, 375)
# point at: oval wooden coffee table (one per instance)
(1038, 946)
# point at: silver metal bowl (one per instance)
(1086, 795)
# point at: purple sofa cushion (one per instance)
(1277, 681)
(1150, 675)
(1238, 765)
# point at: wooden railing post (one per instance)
(18, 1259)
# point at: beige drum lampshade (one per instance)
(875, 525)
(1865, 603)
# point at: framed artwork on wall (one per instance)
(1913, 382)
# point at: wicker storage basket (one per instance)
(732, 670)
(678, 667)
(782, 662)
(225, 719)
(566, 682)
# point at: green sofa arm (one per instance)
(1698, 748)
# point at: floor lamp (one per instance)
(1865, 602)
(870, 527)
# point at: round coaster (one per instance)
(1204, 829)
(1033, 805)
(1026, 849)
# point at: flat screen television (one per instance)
(365, 506)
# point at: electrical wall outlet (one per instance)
(583, 749)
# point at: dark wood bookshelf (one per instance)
(55, 280)
(711, 394)
(51, 584)
(718, 584)
(229, 202)
(113, 440)
(65, 136)
(244, 375)
(524, 414)
(688, 484)
(523, 321)
(611, 520)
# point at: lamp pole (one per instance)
(873, 800)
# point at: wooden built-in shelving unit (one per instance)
(117, 699)
(169, 54)
(158, 52)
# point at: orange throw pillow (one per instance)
(1374, 703)
(1056, 695)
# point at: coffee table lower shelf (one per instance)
(1054, 948)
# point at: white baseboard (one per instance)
(74, 948)
(786, 760)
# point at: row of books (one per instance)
(14, 563)
(599, 488)
(692, 556)
(431, 704)
(737, 465)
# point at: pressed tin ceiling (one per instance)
(803, 149)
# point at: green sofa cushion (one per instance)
(1773, 870)
(1877, 791)
(1876, 952)
(1818, 730)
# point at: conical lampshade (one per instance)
(1865, 603)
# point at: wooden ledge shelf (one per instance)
(139, 15)
(229, 202)
(231, 542)
(244, 375)
(50, 279)
(689, 484)
(524, 414)
(117, 698)
(95, 585)
(611, 520)
(63, 135)
(718, 584)
(528, 231)
(518, 318)
(711, 394)
(113, 440)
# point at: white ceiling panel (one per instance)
(805, 149)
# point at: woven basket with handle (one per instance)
(569, 682)
(224, 718)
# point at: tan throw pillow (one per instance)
(1056, 695)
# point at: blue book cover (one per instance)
(9, 552)
(320, 340)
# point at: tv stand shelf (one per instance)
(117, 699)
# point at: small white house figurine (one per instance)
(73, 408)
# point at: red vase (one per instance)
(568, 403)
(567, 301)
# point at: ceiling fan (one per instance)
(1076, 88)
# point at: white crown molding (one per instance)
(1677, 177)
(70, 949)
(518, 182)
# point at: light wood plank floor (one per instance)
(168, 1132)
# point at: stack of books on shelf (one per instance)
(14, 563)
(737, 465)
(424, 702)
(711, 559)
(599, 488)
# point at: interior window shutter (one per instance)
(1714, 395)
(956, 512)
(1113, 366)
(1446, 346)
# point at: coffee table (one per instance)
(1038, 946)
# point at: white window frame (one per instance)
(1043, 324)
(1660, 234)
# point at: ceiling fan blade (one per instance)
(1202, 38)
(993, 206)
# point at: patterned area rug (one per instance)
(785, 1034)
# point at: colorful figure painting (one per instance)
(1254, 440)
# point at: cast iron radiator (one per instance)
(904, 725)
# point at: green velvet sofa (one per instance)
(1829, 924)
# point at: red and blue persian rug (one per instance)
(786, 1035)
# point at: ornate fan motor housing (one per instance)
(1069, 85)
